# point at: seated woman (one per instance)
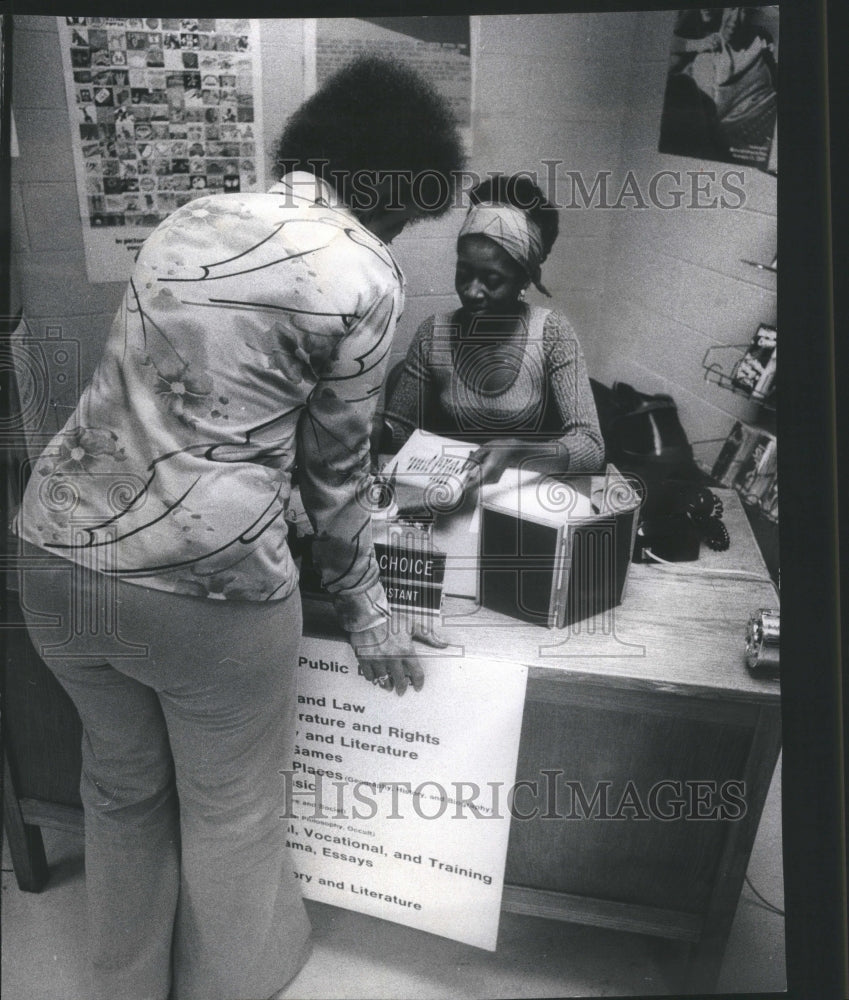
(499, 371)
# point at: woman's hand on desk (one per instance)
(501, 453)
(387, 657)
(493, 458)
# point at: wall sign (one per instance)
(438, 47)
(162, 110)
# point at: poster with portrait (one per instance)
(162, 110)
(721, 90)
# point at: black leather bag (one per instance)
(643, 435)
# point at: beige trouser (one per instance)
(188, 710)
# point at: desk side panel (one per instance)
(637, 766)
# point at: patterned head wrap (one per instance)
(513, 230)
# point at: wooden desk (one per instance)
(655, 691)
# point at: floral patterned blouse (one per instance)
(253, 335)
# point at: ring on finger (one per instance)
(384, 681)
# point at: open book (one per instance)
(429, 473)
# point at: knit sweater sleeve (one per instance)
(569, 385)
(405, 405)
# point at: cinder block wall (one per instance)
(544, 101)
(648, 290)
(48, 264)
(675, 280)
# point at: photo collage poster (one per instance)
(163, 110)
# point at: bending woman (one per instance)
(253, 336)
(497, 370)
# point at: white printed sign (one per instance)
(398, 807)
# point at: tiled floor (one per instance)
(360, 957)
